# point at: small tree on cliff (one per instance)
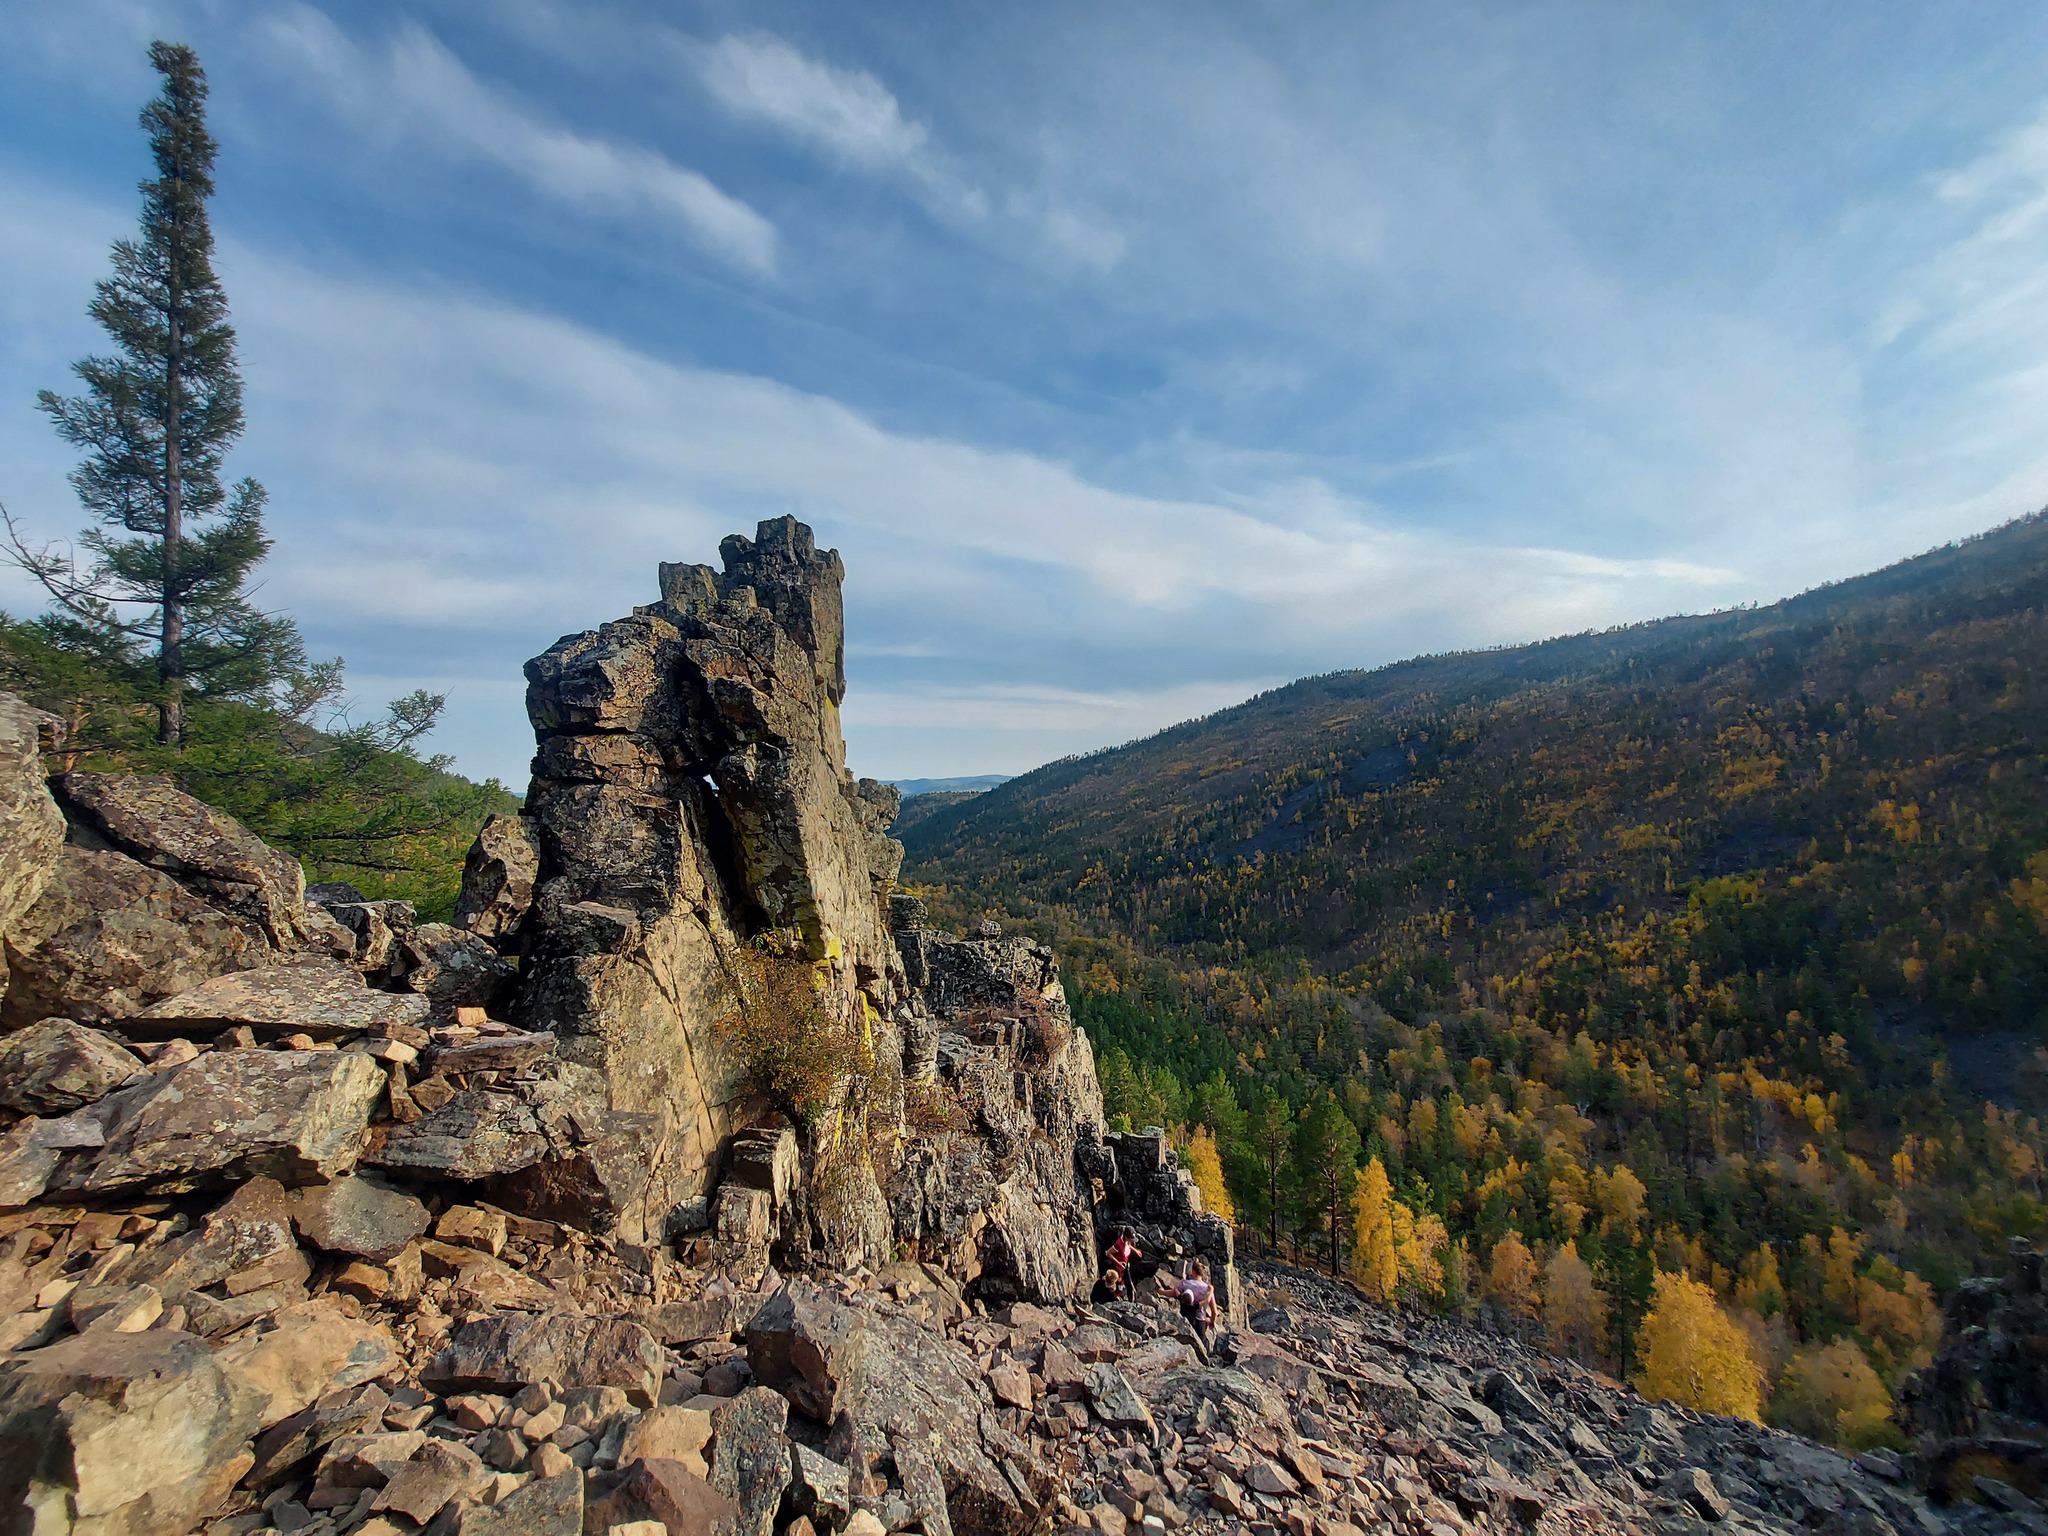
(156, 420)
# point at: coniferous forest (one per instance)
(1526, 982)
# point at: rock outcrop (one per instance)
(689, 794)
(31, 826)
(1979, 1413)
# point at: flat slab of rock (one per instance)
(227, 1116)
(323, 999)
(750, 1462)
(310, 1350)
(547, 1506)
(492, 1053)
(475, 1135)
(708, 1317)
(558, 1350)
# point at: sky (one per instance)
(1136, 357)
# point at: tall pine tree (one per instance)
(168, 563)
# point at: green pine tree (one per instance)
(168, 563)
(1326, 1148)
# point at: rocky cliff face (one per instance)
(690, 794)
(691, 801)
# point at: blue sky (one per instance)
(1136, 357)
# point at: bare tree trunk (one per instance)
(1336, 1237)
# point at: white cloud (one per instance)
(455, 482)
(846, 111)
(415, 94)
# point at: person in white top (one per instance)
(1198, 1301)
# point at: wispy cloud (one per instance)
(845, 111)
(855, 120)
(416, 92)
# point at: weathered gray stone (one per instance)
(890, 1382)
(1696, 1487)
(358, 1215)
(558, 1350)
(451, 969)
(1114, 1399)
(375, 928)
(498, 880)
(292, 1439)
(29, 1155)
(31, 826)
(320, 998)
(750, 1459)
(137, 1434)
(810, 1347)
(477, 1134)
(110, 936)
(821, 1489)
(209, 852)
(547, 1506)
(295, 1116)
(708, 1317)
(690, 779)
(492, 1053)
(57, 1065)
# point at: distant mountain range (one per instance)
(971, 785)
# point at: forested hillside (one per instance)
(1712, 944)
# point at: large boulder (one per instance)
(110, 937)
(226, 1116)
(892, 1383)
(358, 1216)
(451, 969)
(121, 1434)
(559, 1350)
(658, 1489)
(250, 1229)
(57, 1065)
(153, 821)
(543, 1142)
(307, 1351)
(810, 1347)
(498, 880)
(31, 826)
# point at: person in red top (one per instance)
(1121, 1254)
